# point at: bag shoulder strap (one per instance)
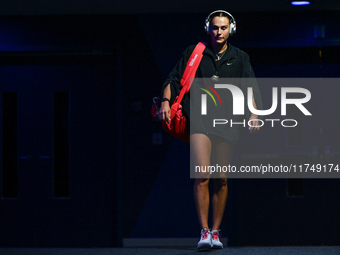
(190, 69)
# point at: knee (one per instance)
(221, 183)
(201, 182)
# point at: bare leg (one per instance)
(219, 200)
(223, 152)
(200, 147)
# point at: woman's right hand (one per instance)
(164, 112)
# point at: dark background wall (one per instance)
(123, 177)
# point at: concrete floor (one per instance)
(324, 250)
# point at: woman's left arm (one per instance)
(255, 125)
(256, 96)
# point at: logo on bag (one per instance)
(193, 60)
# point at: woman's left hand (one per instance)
(255, 124)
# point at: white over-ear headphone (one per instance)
(232, 29)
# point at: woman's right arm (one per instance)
(174, 78)
(165, 110)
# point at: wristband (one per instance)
(165, 99)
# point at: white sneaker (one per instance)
(215, 240)
(205, 242)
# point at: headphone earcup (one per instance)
(231, 29)
(207, 24)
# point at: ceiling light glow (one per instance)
(300, 2)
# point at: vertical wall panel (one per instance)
(9, 145)
(61, 144)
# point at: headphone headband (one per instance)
(232, 29)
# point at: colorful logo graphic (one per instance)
(213, 90)
(204, 98)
